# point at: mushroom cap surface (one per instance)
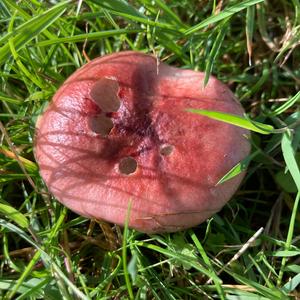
(117, 131)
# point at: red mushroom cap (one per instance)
(118, 131)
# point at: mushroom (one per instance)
(117, 131)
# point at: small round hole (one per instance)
(127, 165)
(101, 125)
(166, 150)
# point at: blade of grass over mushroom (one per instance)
(239, 168)
(33, 27)
(227, 12)
(235, 120)
(90, 36)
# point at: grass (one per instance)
(47, 252)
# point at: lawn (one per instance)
(250, 249)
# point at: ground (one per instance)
(250, 249)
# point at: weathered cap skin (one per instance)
(117, 131)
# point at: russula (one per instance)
(117, 131)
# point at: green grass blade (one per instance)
(235, 120)
(292, 284)
(15, 55)
(289, 158)
(206, 259)
(239, 168)
(250, 20)
(48, 261)
(286, 253)
(289, 238)
(14, 215)
(165, 10)
(262, 26)
(215, 51)
(33, 27)
(4, 9)
(288, 104)
(164, 7)
(26, 25)
(31, 287)
(35, 289)
(178, 257)
(119, 6)
(123, 9)
(124, 254)
(14, 6)
(262, 80)
(108, 279)
(227, 12)
(24, 275)
(291, 163)
(87, 36)
(8, 99)
(261, 289)
(28, 164)
(288, 44)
